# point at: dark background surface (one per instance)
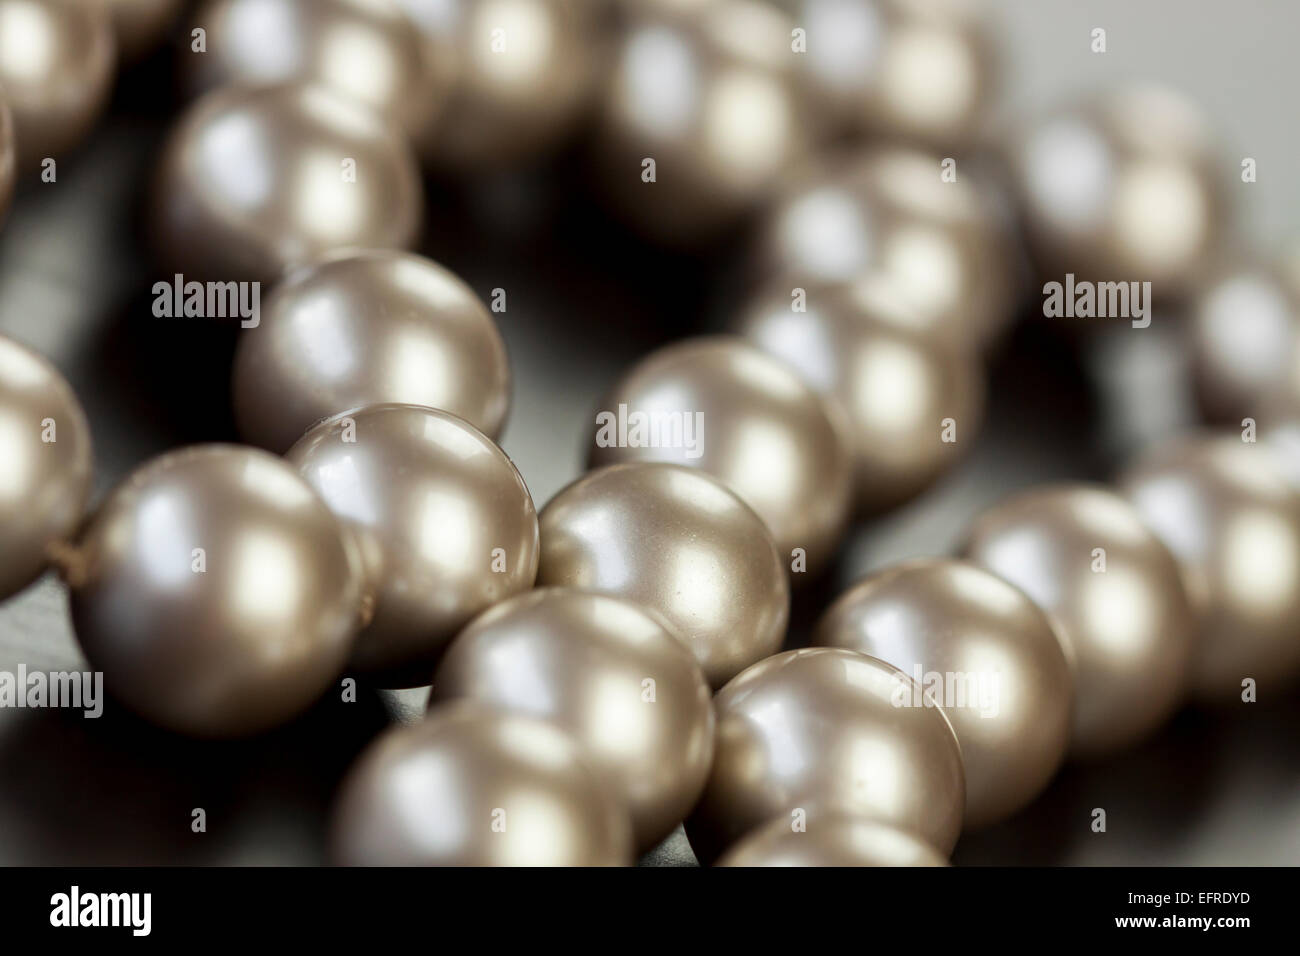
(585, 301)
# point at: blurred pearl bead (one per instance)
(1245, 341)
(7, 157)
(43, 484)
(586, 663)
(139, 25)
(945, 246)
(762, 432)
(399, 328)
(920, 70)
(472, 787)
(952, 621)
(253, 181)
(817, 730)
(521, 73)
(430, 500)
(709, 94)
(1122, 187)
(1225, 510)
(234, 638)
(57, 65)
(897, 387)
(1127, 621)
(362, 49)
(680, 543)
(831, 839)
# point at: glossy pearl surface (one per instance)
(612, 675)
(817, 730)
(45, 463)
(254, 181)
(1227, 512)
(520, 74)
(1114, 595)
(217, 592)
(1121, 187)
(944, 246)
(902, 392)
(444, 522)
(709, 93)
(365, 50)
(831, 839)
(366, 328)
(917, 70)
(757, 428)
(680, 543)
(473, 787)
(57, 64)
(985, 654)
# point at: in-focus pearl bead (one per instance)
(831, 839)
(680, 543)
(45, 463)
(1114, 595)
(472, 787)
(444, 521)
(611, 674)
(367, 328)
(986, 654)
(219, 595)
(253, 181)
(754, 425)
(818, 730)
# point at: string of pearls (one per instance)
(373, 524)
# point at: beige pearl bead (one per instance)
(709, 94)
(1114, 595)
(945, 246)
(254, 181)
(57, 64)
(913, 403)
(366, 328)
(1226, 511)
(444, 521)
(986, 654)
(474, 787)
(817, 730)
(917, 70)
(680, 543)
(45, 464)
(752, 424)
(831, 839)
(521, 74)
(1121, 187)
(216, 592)
(365, 50)
(612, 675)
(139, 25)
(1244, 334)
